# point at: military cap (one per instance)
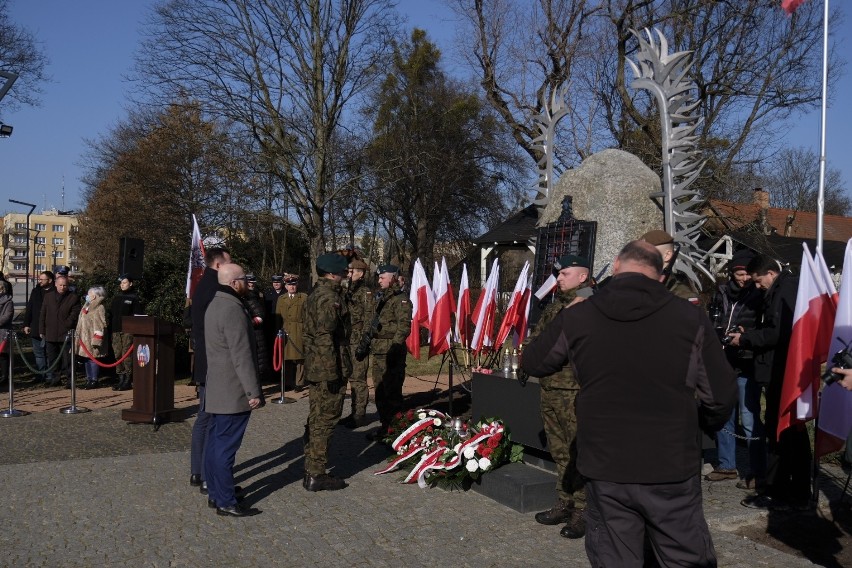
(358, 264)
(393, 269)
(251, 277)
(277, 278)
(291, 279)
(332, 263)
(657, 238)
(62, 271)
(569, 260)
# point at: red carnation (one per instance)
(485, 451)
(492, 442)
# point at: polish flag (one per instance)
(422, 304)
(790, 6)
(196, 260)
(546, 288)
(523, 313)
(813, 322)
(483, 313)
(463, 310)
(835, 405)
(441, 322)
(515, 311)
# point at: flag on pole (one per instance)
(523, 313)
(441, 333)
(835, 412)
(813, 321)
(513, 314)
(422, 304)
(463, 310)
(790, 6)
(483, 312)
(196, 260)
(546, 288)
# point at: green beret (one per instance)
(570, 260)
(387, 268)
(657, 238)
(332, 263)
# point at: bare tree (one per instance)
(21, 54)
(792, 177)
(283, 70)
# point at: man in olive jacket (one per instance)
(651, 371)
(360, 302)
(59, 311)
(233, 385)
(327, 365)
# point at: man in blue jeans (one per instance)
(736, 306)
(31, 321)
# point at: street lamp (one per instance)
(5, 130)
(27, 279)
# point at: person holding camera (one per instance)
(326, 331)
(735, 308)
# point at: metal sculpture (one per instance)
(545, 122)
(664, 75)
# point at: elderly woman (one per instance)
(7, 312)
(91, 329)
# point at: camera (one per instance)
(726, 337)
(842, 359)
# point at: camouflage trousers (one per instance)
(324, 409)
(558, 413)
(388, 378)
(121, 342)
(359, 388)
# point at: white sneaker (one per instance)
(706, 468)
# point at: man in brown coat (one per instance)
(59, 311)
(288, 310)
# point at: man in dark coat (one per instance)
(125, 303)
(788, 469)
(254, 301)
(59, 311)
(214, 258)
(31, 320)
(639, 411)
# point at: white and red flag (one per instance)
(484, 311)
(516, 310)
(546, 288)
(835, 405)
(813, 322)
(790, 6)
(422, 304)
(463, 310)
(196, 260)
(441, 329)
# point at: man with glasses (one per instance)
(31, 321)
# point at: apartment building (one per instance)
(51, 237)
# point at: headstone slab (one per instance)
(611, 187)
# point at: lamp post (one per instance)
(27, 280)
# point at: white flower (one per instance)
(421, 415)
(469, 452)
(456, 448)
(436, 422)
(432, 413)
(484, 463)
(471, 465)
(427, 440)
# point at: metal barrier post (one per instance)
(11, 412)
(73, 409)
(279, 340)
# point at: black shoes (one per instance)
(559, 513)
(299, 388)
(235, 511)
(90, 385)
(212, 504)
(195, 480)
(324, 482)
(352, 422)
(576, 526)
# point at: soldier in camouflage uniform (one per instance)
(360, 302)
(327, 364)
(676, 283)
(388, 346)
(558, 396)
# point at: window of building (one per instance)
(21, 239)
(18, 266)
(39, 253)
(40, 240)
(20, 225)
(59, 228)
(59, 254)
(58, 241)
(40, 226)
(39, 267)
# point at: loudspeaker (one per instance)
(131, 252)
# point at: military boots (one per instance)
(559, 513)
(576, 525)
(324, 482)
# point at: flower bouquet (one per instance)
(437, 450)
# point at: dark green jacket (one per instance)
(565, 378)
(326, 333)
(361, 306)
(394, 320)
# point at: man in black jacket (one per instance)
(59, 312)
(31, 321)
(651, 371)
(788, 469)
(125, 303)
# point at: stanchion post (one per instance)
(11, 412)
(279, 340)
(450, 390)
(73, 409)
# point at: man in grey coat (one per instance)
(233, 386)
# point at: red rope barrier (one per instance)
(278, 353)
(104, 365)
(5, 341)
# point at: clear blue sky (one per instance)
(90, 44)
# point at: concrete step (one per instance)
(520, 487)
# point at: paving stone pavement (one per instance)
(91, 490)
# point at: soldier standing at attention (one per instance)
(360, 303)
(676, 283)
(327, 364)
(289, 317)
(558, 410)
(388, 347)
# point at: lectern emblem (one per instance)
(143, 355)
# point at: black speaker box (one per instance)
(131, 253)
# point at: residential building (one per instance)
(51, 237)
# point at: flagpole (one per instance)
(821, 194)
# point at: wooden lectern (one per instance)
(153, 359)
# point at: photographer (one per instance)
(845, 379)
(735, 308)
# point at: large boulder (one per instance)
(611, 187)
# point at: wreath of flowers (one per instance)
(436, 450)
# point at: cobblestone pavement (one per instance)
(91, 490)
